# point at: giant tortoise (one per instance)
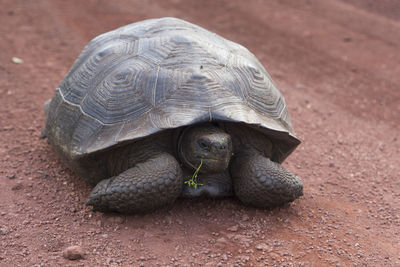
(163, 108)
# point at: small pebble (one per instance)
(234, 228)
(73, 253)
(17, 186)
(262, 247)
(17, 60)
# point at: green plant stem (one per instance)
(193, 179)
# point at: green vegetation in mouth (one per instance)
(222, 140)
(193, 180)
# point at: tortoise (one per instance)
(151, 104)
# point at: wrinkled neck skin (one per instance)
(206, 145)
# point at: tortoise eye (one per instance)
(203, 144)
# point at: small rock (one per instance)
(4, 230)
(17, 60)
(73, 253)
(274, 255)
(11, 176)
(17, 186)
(242, 226)
(234, 228)
(262, 247)
(206, 251)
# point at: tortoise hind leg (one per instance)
(260, 182)
(145, 187)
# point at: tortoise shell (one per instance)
(161, 74)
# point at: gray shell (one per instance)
(161, 74)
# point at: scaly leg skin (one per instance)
(145, 187)
(262, 183)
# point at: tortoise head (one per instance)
(207, 145)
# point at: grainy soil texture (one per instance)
(337, 64)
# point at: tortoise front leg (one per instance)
(260, 182)
(145, 187)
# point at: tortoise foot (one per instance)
(262, 183)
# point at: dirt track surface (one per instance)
(336, 62)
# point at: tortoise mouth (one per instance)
(207, 164)
(212, 164)
(211, 158)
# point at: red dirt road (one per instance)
(336, 62)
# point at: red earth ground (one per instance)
(336, 62)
